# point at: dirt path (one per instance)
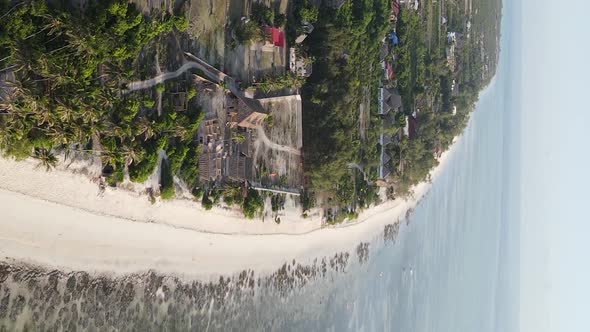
(214, 74)
(141, 85)
(274, 146)
(360, 168)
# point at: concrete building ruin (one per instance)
(210, 160)
(242, 115)
(299, 65)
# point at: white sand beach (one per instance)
(62, 220)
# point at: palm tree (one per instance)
(46, 158)
(129, 154)
(143, 127)
(63, 112)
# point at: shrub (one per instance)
(191, 93)
(249, 32)
(189, 170)
(280, 20)
(181, 23)
(206, 202)
(141, 171)
(175, 157)
(262, 14)
(228, 200)
(270, 120)
(308, 14)
(215, 196)
(232, 193)
(253, 204)
(197, 193)
(116, 176)
(166, 181)
(308, 200)
(149, 103)
(278, 202)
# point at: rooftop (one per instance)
(390, 100)
(275, 36)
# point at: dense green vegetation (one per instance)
(274, 83)
(410, 61)
(420, 74)
(166, 181)
(247, 32)
(424, 81)
(346, 47)
(232, 194)
(307, 13)
(68, 68)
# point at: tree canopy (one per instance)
(69, 68)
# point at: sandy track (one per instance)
(141, 85)
(274, 146)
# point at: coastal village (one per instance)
(248, 87)
(252, 130)
(390, 103)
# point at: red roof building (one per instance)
(389, 71)
(275, 36)
(395, 8)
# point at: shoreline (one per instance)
(57, 219)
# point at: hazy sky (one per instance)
(555, 185)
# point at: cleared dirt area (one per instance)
(266, 60)
(210, 24)
(146, 6)
(280, 159)
(212, 102)
(237, 63)
(208, 20)
(250, 63)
